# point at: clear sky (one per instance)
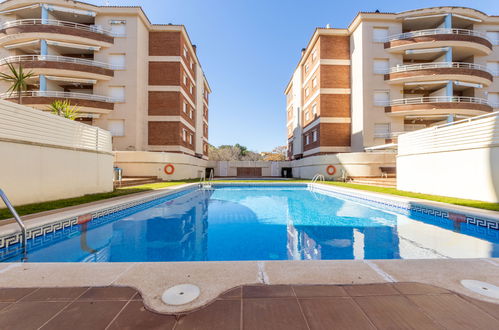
(249, 49)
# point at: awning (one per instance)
(71, 45)
(20, 8)
(23, 44)
(72, 80)
(70, 10)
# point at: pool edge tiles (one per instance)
(10, 234)
(477, 217)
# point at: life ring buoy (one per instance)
(330, 170)
(169, 169)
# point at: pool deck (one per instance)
(290, 307)
(215, 278)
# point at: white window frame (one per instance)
(382, 134)
(185, 107)
(191, 88)
(306, 68)
(184, 135)
(186, 51)
(307, 92)
(314, 82)
(314, 135)
(307, 139)
(190, 138)
(307, 115)
(314, 54)
(190, 113)
(185, 79)
(314, 109)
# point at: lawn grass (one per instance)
(52, 205)
(443, 199)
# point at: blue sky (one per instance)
(249, 49)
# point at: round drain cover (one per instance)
(483, 288)
(180, 294)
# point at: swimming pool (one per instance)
(259, 222)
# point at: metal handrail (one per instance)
(420, 33)
(439, 99)
(61, 59)
(207, 183)
(318, 177)
(62, 95)
(437, 65)
(53, 22)
(16, 216)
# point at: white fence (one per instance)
(45, 157)
(46, 128)
(459, 159)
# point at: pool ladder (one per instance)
(206, 183)
(12, 210)
(318, 178)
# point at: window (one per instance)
(314, 109)
(190, 138)
(185, 51)
(117, 61)
(314, 136)
(117, 93)
(494, 37)
(381, 66)
(190, 114)
(493, 67)
(116, 127)
(118, 27)
(191, 88)
(184, 135)
(192, 64)
(380, 34)
(382, 130)
(307, 139)
(185, 79)
(314, 54)
(306, 68)
(381, 98)
(314, 82)
(493, 99)
(185, 107)
(307, 91)
(307, 115)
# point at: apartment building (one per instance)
(141, 81)
(389, 73)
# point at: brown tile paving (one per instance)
(395, 305)
(220, 315)
(273, 313)
(235, 293)
(370, 290)
(267, 291)
(309, 291)
(29, 314)
(14, 294)
(108, 293)
(395, 312)
(86, 315)
(453, 312)
(135, 316)
(334, 313)
(55, 294)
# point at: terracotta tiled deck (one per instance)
(282, 307)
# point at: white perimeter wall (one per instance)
(144, 163)
(458, 160)
(45, 157)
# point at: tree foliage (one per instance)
(18, 80)
(231, 153)
(64, 109)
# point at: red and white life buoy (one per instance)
(169, 169)
(330, 170)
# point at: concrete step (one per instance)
(136, 181)
(379, 182)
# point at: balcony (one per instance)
(63, 65)
(28, 29)
(88, 103)
(439, 105)
(435, 71)
(474, 41)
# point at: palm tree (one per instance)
(64, 109)
(18, 80)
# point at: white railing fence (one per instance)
(22, 123)
(429, 32)
(62, 95)
(475, 132)
(439, 99)
(438, 65)
(60, 59)
(38, 21)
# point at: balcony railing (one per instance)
(62, 95)
(438, 65)
(38, 21)
(439, 99)
(429, 32)
(61, 59)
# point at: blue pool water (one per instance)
(259, 223)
